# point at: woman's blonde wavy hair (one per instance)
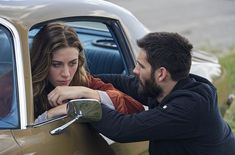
(49, 39)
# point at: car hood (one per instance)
(205, 65)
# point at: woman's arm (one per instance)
(122, 102)
(52, 113)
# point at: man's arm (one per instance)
(172, 122)
(123, 103)
(124, 83)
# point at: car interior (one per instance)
(101, 51)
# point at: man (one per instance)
(183, 116)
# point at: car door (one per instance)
(18, 133)
(107, 51)
(77, 139)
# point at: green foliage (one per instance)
(230, 116)
(227, 61)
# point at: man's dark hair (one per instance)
(169, 50)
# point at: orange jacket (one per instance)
(122, 102)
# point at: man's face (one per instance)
(147, 83)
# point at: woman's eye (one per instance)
(73, 63)
(55, 65)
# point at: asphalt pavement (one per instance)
(206, 23)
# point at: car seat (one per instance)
(101, 61)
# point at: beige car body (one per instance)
(19, 17)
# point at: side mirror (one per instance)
(81, 110)
(86, 109)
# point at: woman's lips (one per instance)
(64, 82)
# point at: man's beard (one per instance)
(150, 88)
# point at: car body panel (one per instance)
(8, 143)
(77, 139)
(22, 16)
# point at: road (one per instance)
(206, 23)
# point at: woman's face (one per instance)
(63, 66)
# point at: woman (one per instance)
(58, 75)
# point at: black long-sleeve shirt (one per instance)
(186, 122)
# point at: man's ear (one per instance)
(161, 74)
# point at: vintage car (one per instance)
(108, 33)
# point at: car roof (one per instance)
(28, 13)
(31, 12)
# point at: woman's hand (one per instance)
(61, 94)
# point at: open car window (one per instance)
(102, 48)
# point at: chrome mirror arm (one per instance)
(83, 110)
(60, 129)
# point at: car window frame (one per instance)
(124, 45)
(118, 34)
(117, 31)
(18, 77)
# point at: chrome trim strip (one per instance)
(20, 72)
(47, 122)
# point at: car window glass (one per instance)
(9, 117)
